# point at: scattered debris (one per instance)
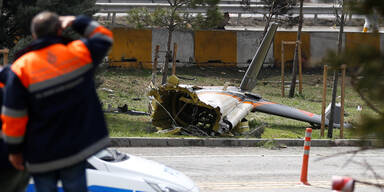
(134, 82)
(169, 131)
(337, 112)
(194, 131)
(107, 90)
(186, 78)
(256, 132)
(124, 109)
(133, 112)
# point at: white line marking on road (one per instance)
(268, 185)
(202, 156)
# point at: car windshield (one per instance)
(112, 155)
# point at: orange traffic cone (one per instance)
(343, 184)
(304, 167)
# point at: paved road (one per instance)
(223, 169)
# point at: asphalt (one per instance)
(230, 142)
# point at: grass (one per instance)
(122, 125)
(129, 86)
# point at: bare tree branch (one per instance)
(363, 164)
(378, 185)
(372, 170)
(363, 97)
(349, 160)
(183, 3)
(348, 152)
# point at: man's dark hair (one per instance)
(45, 24)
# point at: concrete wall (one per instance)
(233, 48)
(184, 41)
(321, 43)
(247, 44)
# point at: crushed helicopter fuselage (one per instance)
(214, 110)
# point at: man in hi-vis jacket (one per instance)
(52, 118)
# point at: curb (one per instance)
(229, 142)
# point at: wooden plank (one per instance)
(324, 100)
(343, 72)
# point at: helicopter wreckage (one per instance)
(218, 110)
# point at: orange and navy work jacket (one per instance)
(51, 112)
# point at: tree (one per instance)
(278, 11)
(366, 69)
(16, 15)
(296, 55)
(341, 21)
(278, 8)
(173, 18)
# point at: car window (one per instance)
(112, 155)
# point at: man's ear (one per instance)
(34, 36)
(59, 32)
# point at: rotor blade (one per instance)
(288, 112)
(249, 79)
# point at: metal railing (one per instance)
(165, 1)
(112, 7)
(230, 8)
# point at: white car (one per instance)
(112, 171)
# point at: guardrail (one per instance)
(253, 8)
(165, 1)
(230, 8)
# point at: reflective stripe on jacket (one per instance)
(51, 111)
